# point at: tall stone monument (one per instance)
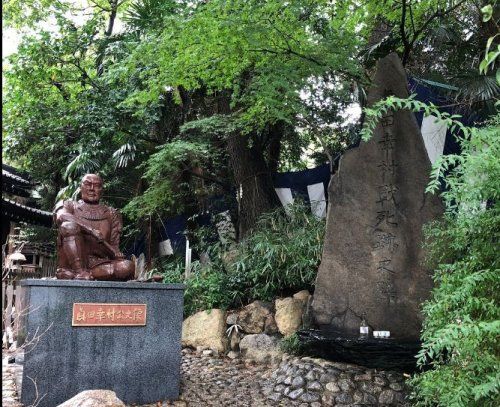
(371, 266)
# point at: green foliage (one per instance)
(393, 103)
(291, 345)
(145, 15)
(280, 257)
(35, 234)
(205, 289)
(163, 172)
(491, 54)
(264, 53)
(78, 97)
(60, 117)
(462, 319)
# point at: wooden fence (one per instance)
(11, 306)
(11, 299)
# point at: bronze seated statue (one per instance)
(89, 236)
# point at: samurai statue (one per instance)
(89, 236)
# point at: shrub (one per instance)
(291, 344)
(205, 289)
(279, 257)
(462, 319)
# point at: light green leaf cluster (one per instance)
(163, 173)
(264, 52)
(279, 258)
(393, 103)
(462, 320)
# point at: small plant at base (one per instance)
(291, 344)
(233, 328)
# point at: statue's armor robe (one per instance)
(103, 218)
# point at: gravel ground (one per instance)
(207, 380)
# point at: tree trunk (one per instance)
(113, 10)
(276, 132)
(253, 182)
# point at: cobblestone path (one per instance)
(219, 381)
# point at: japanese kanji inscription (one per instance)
(96, 314)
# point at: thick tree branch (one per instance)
(409, 43)
(114, 4)
(60, 88)
(226, 186)
(404, 37)
(289, 51)
(437, 13)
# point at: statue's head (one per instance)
(91, 188)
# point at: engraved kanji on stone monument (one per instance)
(371, 266)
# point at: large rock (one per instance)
(94, 398)
(306, 298)
(302, 296)
(371, 266)
(252, 318)
(270, 326)
(261, 347)
(289, 315)
(205, 329)
(234, 341)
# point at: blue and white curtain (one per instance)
(311, 185)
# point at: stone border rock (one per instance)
(321, 382)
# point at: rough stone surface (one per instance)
(288, 315)
(386, 397)
(10, 394)
(343, 398)
(298, 382)
(295, 394)
(372, 255)
(140, 364)
(232, 318)
(333, 387)
(94, 398)
(205, 328)
(252, 318)
(219, 381)
(260, 348)
(314, 386)
(310, 397)
(302, 296)
(234, 341)
(270, 326)
(233, 354)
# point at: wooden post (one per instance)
(8, 312)
(187, 272)
(4, 325)
(18, 311)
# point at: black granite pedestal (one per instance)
(140, 363)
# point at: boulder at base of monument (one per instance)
(206, 329)
(371, 266)
(94, 398)
(288, 315)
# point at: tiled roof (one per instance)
(18, 212)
